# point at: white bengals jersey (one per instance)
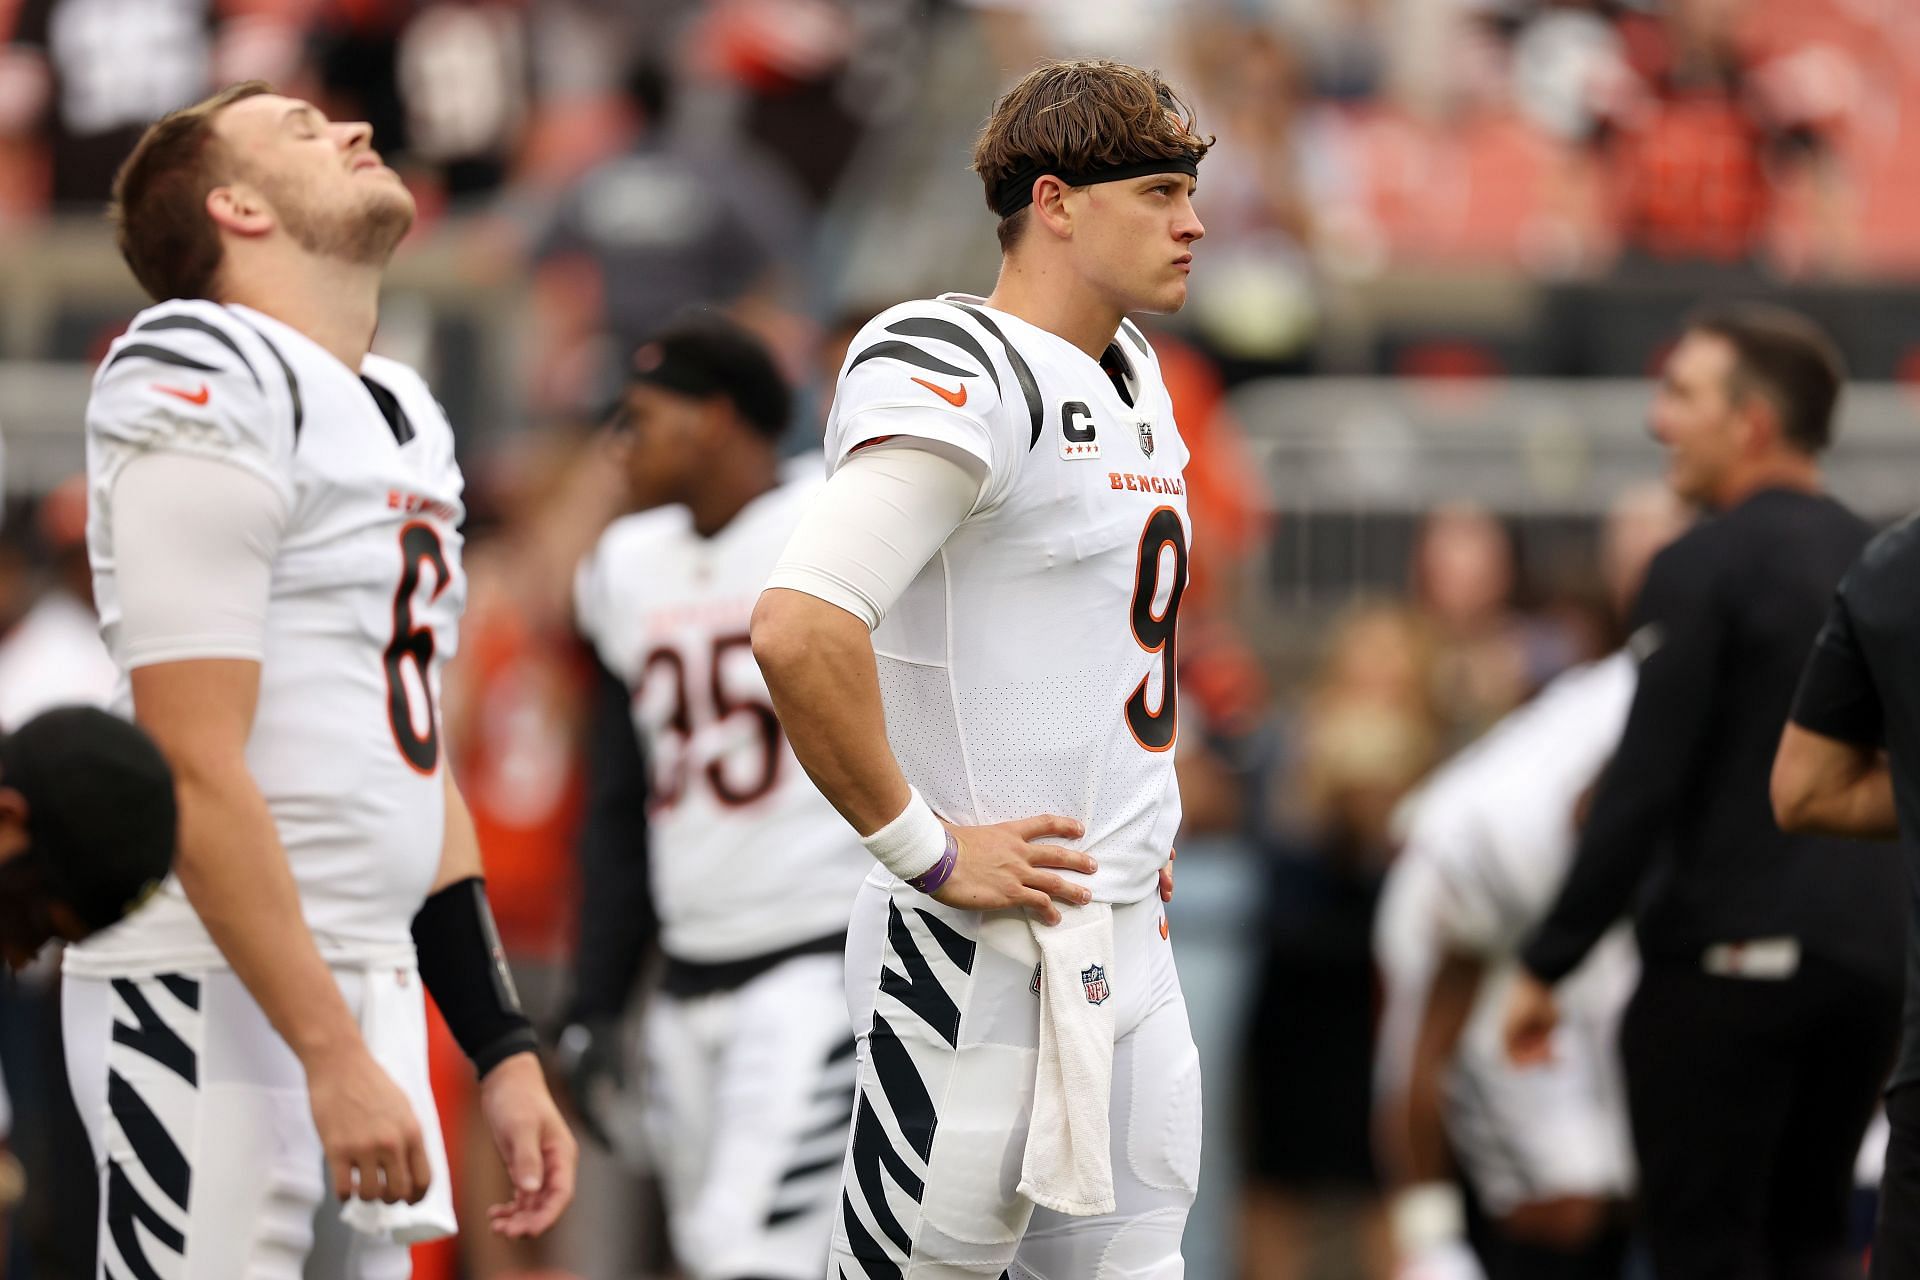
(1498, 821)
(366, 595)
(745, 857)
(1029, 669)
(1488, 841)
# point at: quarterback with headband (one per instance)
(971, 640)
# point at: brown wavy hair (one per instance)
(159, 209)
(1073, 116)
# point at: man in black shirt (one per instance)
(1764, 1021)
(1860, 694)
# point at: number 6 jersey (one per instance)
(1029, 668)
(746, 858)
(364, 605)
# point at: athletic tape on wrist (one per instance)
(913, 844)
(1426, 1216)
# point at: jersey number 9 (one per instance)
(1155, 629)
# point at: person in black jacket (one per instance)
(1766, 1014)
(1849, 764)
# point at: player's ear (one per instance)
(239, 208)
(1050, 207)
(1759, 422)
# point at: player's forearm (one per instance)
(1633, 807)
(460, 844)
(617, 923)
(235, 874)
(1822, 786)
(1862, 809)
(819, 667)
(1418, 1152)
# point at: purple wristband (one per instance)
(930, 880)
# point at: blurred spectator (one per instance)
(1226, 742)
(1256, 305)
(445, 84)
(54, 656)
(1347, 49)
(1227, 494)
(1699, 132)
(1463, 586)
(12, 1177)
(51, 655)
(1368, 733)
(787, 60)
(668, 225)
(87, 76)
(514, 718)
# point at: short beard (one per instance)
(363, 236)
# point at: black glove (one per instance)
(591, 1058)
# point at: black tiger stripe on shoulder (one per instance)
(1022, 374)
(907, 353)
(293, 383)
(1135, 336)
(946, 331)
(196, 324)
(390, 408)
(147, 351)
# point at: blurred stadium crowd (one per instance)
(1439, 233)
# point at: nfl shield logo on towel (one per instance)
(1094, 979)
(1146, 436)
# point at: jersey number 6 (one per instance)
(1155, 631)
(419, 545)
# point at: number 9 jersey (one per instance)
(363, 608)
(1029, 668)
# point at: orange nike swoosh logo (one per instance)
(954, 398)
(201, 396)
(1163, 927)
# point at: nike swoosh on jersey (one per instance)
(954, 398)
(201, 396)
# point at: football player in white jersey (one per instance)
(750, 873)
(1487, 841)
(274, 529)
(971, 643)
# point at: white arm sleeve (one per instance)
(876, 523)
(194, 539)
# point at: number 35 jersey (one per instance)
(1029, 668)
(745, 857)
(364, 604)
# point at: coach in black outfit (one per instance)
(1769, 999)
(1861, 693)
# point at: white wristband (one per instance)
(912, 843)
(1427, 1215)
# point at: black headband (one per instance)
(1016, 191)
